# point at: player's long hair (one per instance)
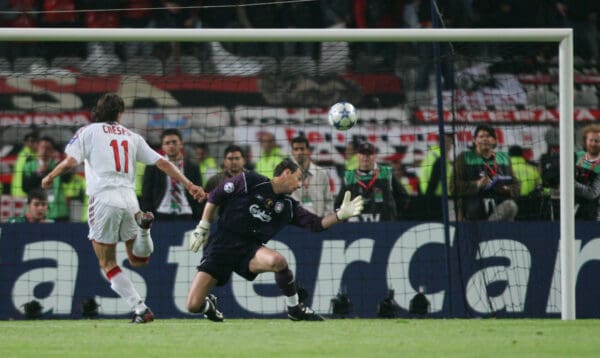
(107, 108)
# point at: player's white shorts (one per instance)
(111, 216)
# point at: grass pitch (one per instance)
(283, 338)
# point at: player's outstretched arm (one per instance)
(65, 165)
(347, 209)
(171, 170)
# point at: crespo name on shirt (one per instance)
(115, 130)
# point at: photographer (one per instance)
(483, 180)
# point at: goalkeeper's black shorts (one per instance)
(222, 256)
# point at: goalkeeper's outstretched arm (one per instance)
(347, 209)
(201, 233)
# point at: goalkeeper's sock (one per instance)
(292, 301)
(122, 285)
(143, 245)
(286, 283)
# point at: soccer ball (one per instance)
(342, 116)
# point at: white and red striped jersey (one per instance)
(110, 152)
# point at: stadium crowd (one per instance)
(582, 16)
(37, 156)
(391, 192)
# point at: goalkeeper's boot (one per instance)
(301, 312)
(144, 219)
(212, 313)
(144, 317)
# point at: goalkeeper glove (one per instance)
(200, 236)
(349, 208)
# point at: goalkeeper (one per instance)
(252, 210)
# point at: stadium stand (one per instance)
(29, 64)
(143, 66)
(67, 62)
(184, 64)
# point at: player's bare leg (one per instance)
(120, 283)
(268, 260)
(200, 300)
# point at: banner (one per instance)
(407, 144)
(483, 270)
(62, 90)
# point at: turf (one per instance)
(283, 338)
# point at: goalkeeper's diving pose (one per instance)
(252, 209)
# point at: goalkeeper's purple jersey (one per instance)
(250, 208)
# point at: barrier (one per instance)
(489, 269)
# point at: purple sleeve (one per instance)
(228, 188)
(305, 219)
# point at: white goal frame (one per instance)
(563, 36)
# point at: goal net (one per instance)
(260, 89)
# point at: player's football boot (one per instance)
(144, 219)
(212, 313)
(144, 317)
(301, 312)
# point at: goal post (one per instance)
(563, 37)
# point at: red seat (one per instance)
(141, 9)
(102, 19)
(23, 5)
(23, 20)
(52, 17)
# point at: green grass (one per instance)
(283, 338)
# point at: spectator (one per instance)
(265, 17)
(270, 155)
(384, 197)
(549, 161)
(550, 172)
(164, 196)
(177, 14)
(19, 14)
(527, 174)
(315, 192)
(301, 15)
(582, 16)
(408, 180)
(39, 166)
(206, 164)
(73, 186)
(62, 13)
(29, 150)
(234, 162)
(337, 13)
(425, 50)
(140, 168)
(378, 14)
(430, 177)
(138, 15)
(502, 14)
(350, 156)
(37, 207)
(483, 180)
(587, 178)
(101, 56)
(529, 199)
